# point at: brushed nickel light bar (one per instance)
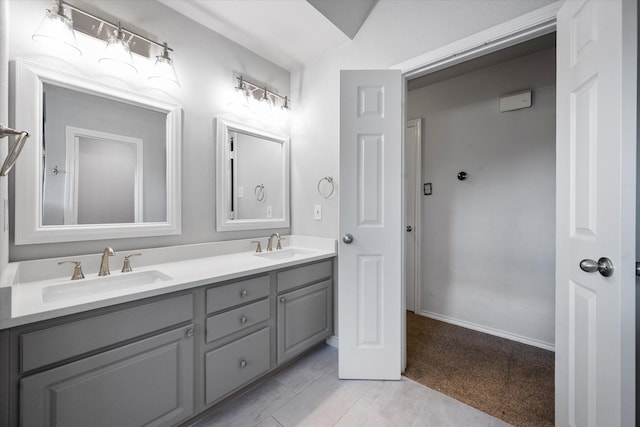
(58, 27)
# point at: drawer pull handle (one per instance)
(283, 300)
(243, 364)
(243, 319)
(189, 332)
(244, 293)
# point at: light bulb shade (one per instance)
(283, 113)
(56, 30)
(239, 99)
(163, 71)
(117, 55)
(265, 106)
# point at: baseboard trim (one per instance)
(487, 330)
(332, 341)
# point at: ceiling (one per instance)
(537, 44)
(289, 33)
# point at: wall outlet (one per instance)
(317, 212)
(269, 212)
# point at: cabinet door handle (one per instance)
(190, 332)
(244, 293)
(243, 364)
(243, 319)
(283, 300)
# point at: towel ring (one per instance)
(328, 189)
(259, 192)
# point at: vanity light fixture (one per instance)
(266, 102)
(265, 105)
(283, 112)
(163, 69)
(56, 29)
(117, 54)
(120, 42)
(241, 95)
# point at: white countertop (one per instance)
(220, 261)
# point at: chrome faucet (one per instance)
(270, 245)
(104, 265)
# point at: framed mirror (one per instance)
(252, 185)
(102, 162)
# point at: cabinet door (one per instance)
(304, 319)
(146, 383)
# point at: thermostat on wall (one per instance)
(515, 101)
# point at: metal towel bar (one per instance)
(14, 149)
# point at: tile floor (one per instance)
(309, 393)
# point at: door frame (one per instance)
(416, 125)
(520, 29)
(523, 28)
(526, 27)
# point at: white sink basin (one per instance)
(98, 285)
(289, 253)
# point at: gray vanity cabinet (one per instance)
(161, 360)
(304, 308)
(148, 382)
(128, 365)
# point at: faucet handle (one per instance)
(77, 269)
(126, 266)
(278, 246)
(258, 247)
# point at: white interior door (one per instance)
(412, 179)
(596, 156)
(370, 306)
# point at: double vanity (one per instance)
(170, 332)
(188, 327)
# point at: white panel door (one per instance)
(370, 306)
(596, 164)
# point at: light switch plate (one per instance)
(317, 212)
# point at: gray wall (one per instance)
(206, 63)
(488, 246)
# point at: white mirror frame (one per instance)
(29, 79)
(223, 178)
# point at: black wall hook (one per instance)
(462, 176)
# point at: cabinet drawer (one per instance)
(233, 365)
(237, 293)
(302, 275)
(235, 320)
(58, 343)
(149, 382)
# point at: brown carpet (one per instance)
(504, 378)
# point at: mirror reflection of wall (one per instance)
(258, 177)
(64, 108)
